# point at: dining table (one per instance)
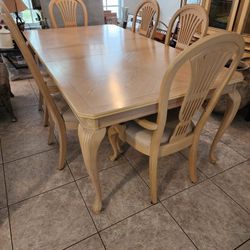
(109, 75)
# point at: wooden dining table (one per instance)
(109, 75)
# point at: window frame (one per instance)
(34, 23)
(105, 7)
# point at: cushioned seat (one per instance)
(135, 132)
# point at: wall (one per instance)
(168, 7)
(95, 11)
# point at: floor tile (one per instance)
(26, 117)
(236, 183)
(150, 229)
(226, 157)
(24, 94)
(210, 218)
(240, 144)
(92, 243)
(173, 174)
(76, 163)
(245, 246)
(232, 136)
(26, 137)
(124, 193)
(33, 175)
(54, 220)
(5, 241)
(3, 201)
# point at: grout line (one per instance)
(230, 197)
(80, 241)
(221, 141)
(85, 203)
(6, 196)
(160, 200)
(7, 162)
(225, 170)
(42, 193)
(140, 211)
(179, 225)
(101, 170)
(209, 177)
(181, 191)
(242, 244)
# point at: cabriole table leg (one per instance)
(233, 106)
(90, 141)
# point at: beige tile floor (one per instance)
(43, 208)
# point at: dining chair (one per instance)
(60, 115)
(68, 11)
(149, 12)
(193, 20)
(165, 133)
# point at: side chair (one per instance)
(149, 11)
(68, 11)
(164, 134)
(193, 19)
(60, 115)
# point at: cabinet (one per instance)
(231, 15)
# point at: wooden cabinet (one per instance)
(231, 15)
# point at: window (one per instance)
(30, 16)
(113, 5)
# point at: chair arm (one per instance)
(146, 124)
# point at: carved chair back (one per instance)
(149, 11)
(68, 11)
(207, 59)
(35, 71)
(193, 19)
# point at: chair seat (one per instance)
(142, 136)
(64, 108)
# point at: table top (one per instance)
(104, 70)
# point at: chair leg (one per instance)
(114, 141)
(153, 162)
(51, 131)
(62, 147)
(192, 162)
(45, 116)
(40, 103)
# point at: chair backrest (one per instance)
(207, 59)
(68, 11)
(149, 11)
(192, 19)
(19, 39)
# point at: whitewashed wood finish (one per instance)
(149, 11)
(207, 59)
(111, 76)
(68, 10)
(192, 19)
(53, 111)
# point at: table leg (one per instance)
(233, 106)
(90, 141)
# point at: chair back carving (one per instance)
(68, 11)
(207, 59)
(29, 58)
(150, 13)
(192, 19)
